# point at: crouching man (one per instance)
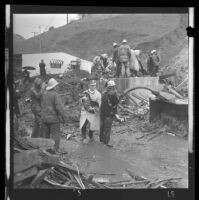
(52, 113)
(110, 100)
(90, 105)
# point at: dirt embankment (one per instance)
(169, 45)
(86, 38)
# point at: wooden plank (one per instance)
(42, 143)
(25, 174)
(50, 159)
(39, 177)
(26, 159)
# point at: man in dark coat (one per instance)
(115, 59)
(124, 55)
(52, 113)
(108, 110)
(42, 66)
(153, 62)
(36, 94)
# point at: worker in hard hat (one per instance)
(36, 93)
(115, 59)
(124, 55)
(153, 62)
(108, 110)
(91, 115)
(52, 113)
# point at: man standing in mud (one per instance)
(42, 66)
(36, 94)
(52, 113)
(90, 116)
(108, 111)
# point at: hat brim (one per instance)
(51, 87)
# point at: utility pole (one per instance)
(34, 32)
(66, 18)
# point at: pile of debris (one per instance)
(35, 166)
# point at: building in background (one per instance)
(56, 62)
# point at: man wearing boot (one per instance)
(90, 114)
(52, 113)
(110, 100)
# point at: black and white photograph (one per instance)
(100, 100)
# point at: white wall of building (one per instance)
(34, 60)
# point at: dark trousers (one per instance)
(105, 129)
(90, 133)
(36, 132)
(43, 73)
(52, 130)
(118, 70)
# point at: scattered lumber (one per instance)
(49, 159)
(21, 176)
(42, 143)
(39, 177)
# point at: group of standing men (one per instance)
(98, 111)
(126, 61)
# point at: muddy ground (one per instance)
(165, 156)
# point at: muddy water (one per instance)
(163, 157)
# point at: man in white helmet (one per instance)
(153, 63)
(108, 110)
(52, 113)
(124, 55)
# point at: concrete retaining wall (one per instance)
(123, 84)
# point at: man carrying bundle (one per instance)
(90, 105)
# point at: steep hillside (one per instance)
(168, 45)
(180, 65)
(94, 35)
(18, 38)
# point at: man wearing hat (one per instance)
(90, 116)
(52, 112)
(124, 55)
(108, 110)
(36, 94)
(153, 62)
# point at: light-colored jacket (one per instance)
(134, 64)
(94, 119)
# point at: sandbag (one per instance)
(133, 63)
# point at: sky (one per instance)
(26, 24)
